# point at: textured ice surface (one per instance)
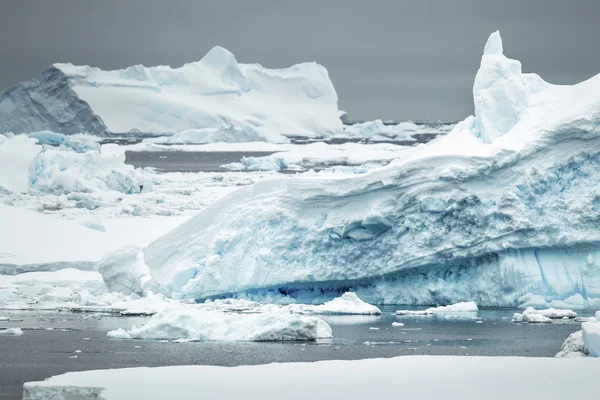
(190, 323)
(207, 94)
(80, 167)
(465, 217)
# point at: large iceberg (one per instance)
(505, 206)
(214, 92)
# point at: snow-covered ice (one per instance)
(187, 322)
(346, 304)
(495, 378)
(214, 92)
(462, 307)
(532, 315)
(489, 213)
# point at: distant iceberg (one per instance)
(504, 206)
(214, 92)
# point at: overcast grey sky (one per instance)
(387, 59)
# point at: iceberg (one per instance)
(489, 213)
(214, 92)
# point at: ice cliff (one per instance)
(213, 92)
(504, 210)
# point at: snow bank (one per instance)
(58, 171)
(16, 155)
(11, 332)
(216, 90)
(193, 324)
(431, 377)
(488, 213)
(462, 307)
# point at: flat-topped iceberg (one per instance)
(212, 93)
(488, 213)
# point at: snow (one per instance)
(462, 307)
(422, 377)
(489, 213)
(213, 92)
(192, 324)
(60, 171)
(16, 155)
(11, 332)
(28, 237)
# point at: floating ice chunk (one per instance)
(11, 332)
(462, 307)
(532, 315)
(347, 304)
(124, 271)
(191, 323)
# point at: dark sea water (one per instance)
(41, 353)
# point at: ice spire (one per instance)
(493, 44)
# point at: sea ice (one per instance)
(431, 377)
